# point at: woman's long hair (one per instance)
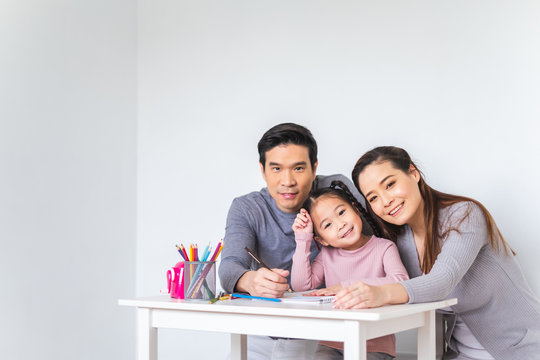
(434, 201)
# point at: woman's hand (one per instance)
(360, 296)
(303, 223)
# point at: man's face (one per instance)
(288, 175)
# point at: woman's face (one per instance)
(393, 194)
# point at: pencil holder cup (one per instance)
(199, 280)
(175, 280)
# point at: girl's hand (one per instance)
(360, 296)
(303, 223)
(332, 290)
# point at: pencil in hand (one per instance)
(259, 261)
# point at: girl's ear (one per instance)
(320, 239)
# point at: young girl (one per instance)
(451, 247)
(348, 255)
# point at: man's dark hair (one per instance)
(284, 134)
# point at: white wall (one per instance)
(455, 83)
(67, 178)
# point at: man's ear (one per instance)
(320, 239)
(314, 168)
(262, 171)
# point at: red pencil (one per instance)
(185, 252)
(216, 251)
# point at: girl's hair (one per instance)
(339, 189)
(434, 201)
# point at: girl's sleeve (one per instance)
(305, 276)
(393, 267)
(458, 252)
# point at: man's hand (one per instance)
(303, 223)
(264, 282)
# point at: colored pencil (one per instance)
(185, 252)
(218, 247)
(180, 252)
(244, 296)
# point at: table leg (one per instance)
(426, 338)
(238, 347)
(147, 335)
(355, 341)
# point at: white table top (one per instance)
(262, 307)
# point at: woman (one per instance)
(451, 247)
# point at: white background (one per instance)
(128, 127)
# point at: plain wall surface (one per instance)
(455, 83)
(128, 127)
(67, 179)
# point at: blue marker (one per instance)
(245, 296)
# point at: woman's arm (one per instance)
(459, 250)
(458, 253)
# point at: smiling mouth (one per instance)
(347, 233)
(396, 210)
(288, 195)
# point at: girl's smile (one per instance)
(337, 223)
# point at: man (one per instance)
(262, 221)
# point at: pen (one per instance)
(259, 261)
(244, 296)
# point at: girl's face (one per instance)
(393, 194)
(336, 223)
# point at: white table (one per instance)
(242, 317)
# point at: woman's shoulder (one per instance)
(462, 213)
(459, 209)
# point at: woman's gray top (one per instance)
(494, 299)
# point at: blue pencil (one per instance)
(206, 252)
(233, 295)
(180, 252)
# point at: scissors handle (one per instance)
(170, 278)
